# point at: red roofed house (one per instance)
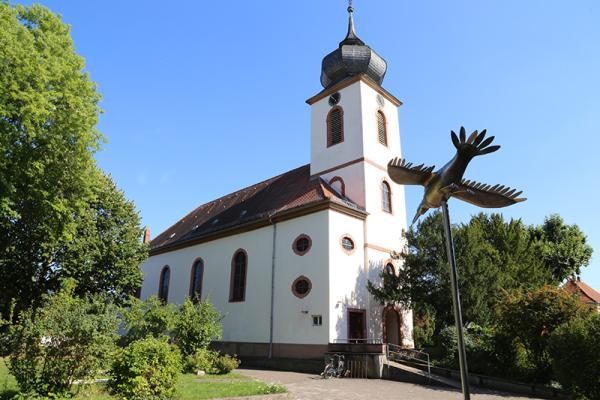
(286, 260)
(587, 295)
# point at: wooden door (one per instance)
(357, 326)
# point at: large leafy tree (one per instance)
(49, 184)
(493, 256)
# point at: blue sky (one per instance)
(203, 98)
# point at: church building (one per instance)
(286, 261)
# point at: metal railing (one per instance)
(359, 341)
(399, 353)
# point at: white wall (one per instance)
(291, 324)
(249, 321)
(347, 275)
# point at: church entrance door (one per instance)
(357, 326)
(392, 326)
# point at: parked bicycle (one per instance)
(335, 368)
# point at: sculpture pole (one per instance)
(462, 355)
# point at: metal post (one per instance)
(462, 355)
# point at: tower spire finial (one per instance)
(351, 37)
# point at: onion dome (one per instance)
(352, 57)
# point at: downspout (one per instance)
(272, 287)
(366, 267)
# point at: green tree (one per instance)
(493, 256)
(51, 193)
(564, 247)
(105, 253)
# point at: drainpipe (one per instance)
(272, 287)
(366, 268)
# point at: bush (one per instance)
(525, 323)
(65, 340)
(210, 362)
(195, 325)
(146, 369)
(201, 360)
(574, 348)
(147, 319)
(226, 363)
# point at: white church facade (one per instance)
(287, 260)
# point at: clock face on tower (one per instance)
(334, 99)
(380, 100)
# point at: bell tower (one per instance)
(355, 128)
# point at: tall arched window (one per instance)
(239, 266)
(335, 126)
(196, 280)
(163, 284)
(386, 197)
(381, 128)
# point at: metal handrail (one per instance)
(359, 341)
(399, 352)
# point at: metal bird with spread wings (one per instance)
(448, 181)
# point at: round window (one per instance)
(302, 245)
(301, 287)
(347, 243)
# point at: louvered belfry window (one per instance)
(238, 277)
(381, 133)
(335, 126)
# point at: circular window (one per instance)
(301, 287)
(347, 244)
(302, 245)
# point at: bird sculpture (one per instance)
(448, 181)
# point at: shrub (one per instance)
(226, 363)
(574, 348)
(524, 325)
(210, 362)
(147, 319)
(146, 369)
(65, 340)
(195, 325)
(201, 360)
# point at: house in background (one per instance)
(286, 261)
(587, 295)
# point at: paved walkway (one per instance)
(312, 387)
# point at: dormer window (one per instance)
(335, 126)
(381, 128)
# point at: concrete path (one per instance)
(312, 387)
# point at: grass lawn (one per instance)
(191, 387)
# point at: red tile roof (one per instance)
(579, 287)
(260, 203)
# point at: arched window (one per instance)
(386, 197)
(196, 280)
(381, 128)
(239, 266)
(335, 126)
(338, 184)
(389, 269)
(163, 284)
